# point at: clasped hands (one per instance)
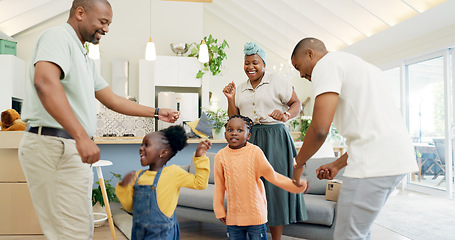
(327, 171)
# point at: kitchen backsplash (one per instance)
(112, 124)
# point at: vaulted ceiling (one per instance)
(279, 24)
(275, 24)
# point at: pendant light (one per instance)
(203, 52)
(150, 50)
(203, 49)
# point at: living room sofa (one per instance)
(198, 204)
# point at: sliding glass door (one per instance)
(428, 94)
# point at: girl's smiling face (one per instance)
(237, 133)
(151, 149)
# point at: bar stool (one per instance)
(98, 165)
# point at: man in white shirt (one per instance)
(354, 95)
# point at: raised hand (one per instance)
(128, 178)
(229, 90)
(168, 115)
(202, 148)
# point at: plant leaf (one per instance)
(199, 74)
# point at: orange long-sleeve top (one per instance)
(237, 173)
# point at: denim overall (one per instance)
(148, 220)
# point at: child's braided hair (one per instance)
(248, 121)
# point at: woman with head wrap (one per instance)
(269, 101)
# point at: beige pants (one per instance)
(60, 186)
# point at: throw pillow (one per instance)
(205, 125)
(193, 125)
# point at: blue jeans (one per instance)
(255, 232)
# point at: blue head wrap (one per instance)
(252, 48)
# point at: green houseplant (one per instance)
(216, 55)
(97, 196)
(218, 120)
(335, 137)
(293, 124)
(305, 122)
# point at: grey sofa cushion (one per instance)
(318, 186)
(212, 162)
(319, 210)
(202, 199)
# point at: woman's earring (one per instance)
(161, 156)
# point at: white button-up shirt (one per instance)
(273, 92)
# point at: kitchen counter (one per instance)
(138, 140)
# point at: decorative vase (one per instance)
(218, 134)
(295, 135)
(99, 215)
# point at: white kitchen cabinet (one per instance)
(12, 80)
(171, 74)
(176, 71)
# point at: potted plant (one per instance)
(218, 120)
(335, 137)
(294, 130)
(98, 202)
(216, 55)
(305, 122)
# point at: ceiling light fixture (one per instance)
(203, 49)
(150, 50)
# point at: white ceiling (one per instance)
(279, 24)
(275, 24)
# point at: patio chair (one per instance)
(439, 144)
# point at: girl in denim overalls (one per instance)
(152, 194)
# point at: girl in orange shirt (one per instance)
(238, 171)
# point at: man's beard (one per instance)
(93, 39)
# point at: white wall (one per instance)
(130, 31)
(430, 31)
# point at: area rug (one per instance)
(419, 216)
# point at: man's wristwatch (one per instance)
(287, 114)
(157, 110)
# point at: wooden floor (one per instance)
(189, 230)
(101, 233)
(192, 230)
